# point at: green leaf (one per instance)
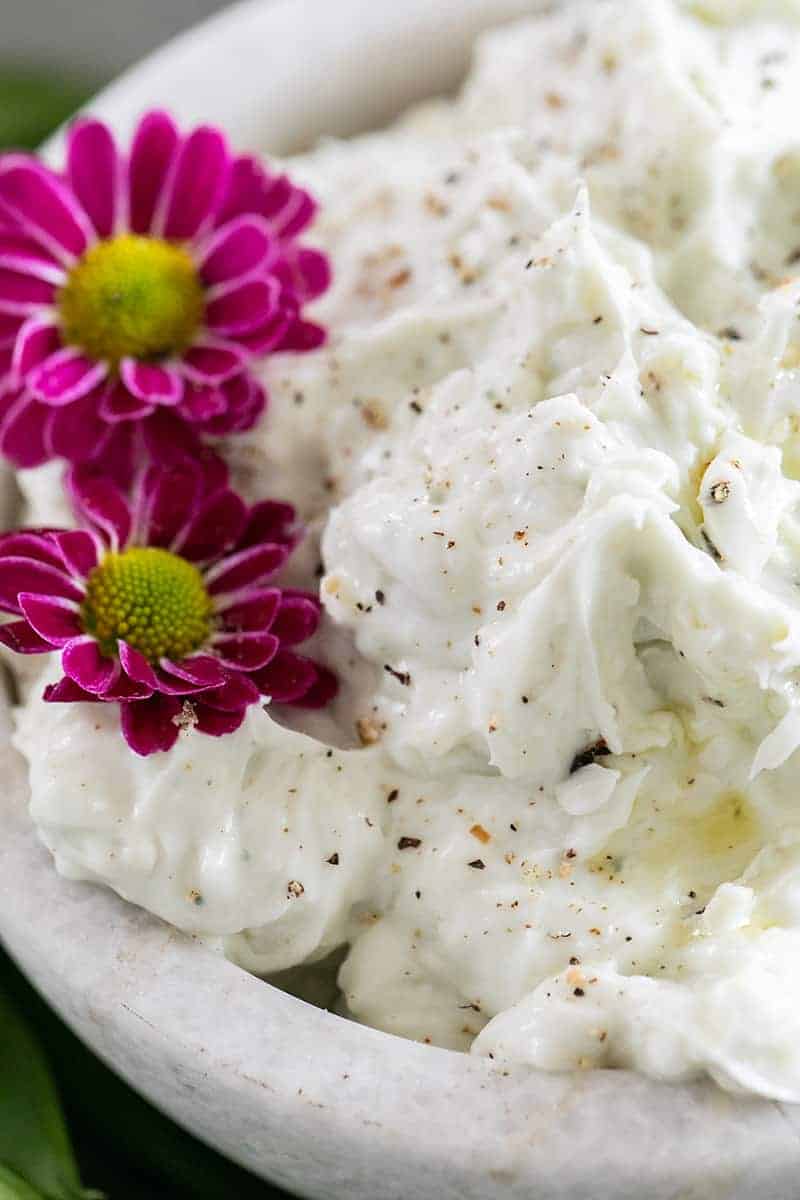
(33, 1137)
(32, 103)
(14, 1188)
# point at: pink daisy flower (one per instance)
(143, 286)
(163, 604)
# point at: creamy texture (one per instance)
(550, 465)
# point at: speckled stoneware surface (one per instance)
(319, 1105)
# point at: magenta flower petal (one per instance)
(91, 670)
(283, 203)
(65, 376)
(311, 271)
(279, 195)
(10, 326)
(248, 184)
(211, 362)
(193, 674)
(22, 432)
(67, 691)
(237, 693)
(286, 208)
(304, 336)
(77, 432)
(118, 403)
(197, 184)
(311, 598)
(168, 440)
(154, 146)
(167, 496)
(30, 543)
(24, 255)
(201, 404)
(119, 449)
(216, 723)
(286, 678)
(151, 725)
(322, 691)
(43, 207)
(244, 409)
(79, 550)
(95, 174)
(217, 524)
(242, 307)
(245, 568)
(297, 619)
(54, 619)
(246, 651)
(239, 248)
(294, 208)
(269, 336)
(19, 637)
(37, 340)
(256, 610)
(124, 689)
(136, 666)
(102, 503)
(18, 574)
(150, 382)
(21, 294)
(272, 521)
(243, 399)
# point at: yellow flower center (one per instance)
(134, 297)
(152, 599)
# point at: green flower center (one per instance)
(152, 599)
(132, 297)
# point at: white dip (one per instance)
(551, 454)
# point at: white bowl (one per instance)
(322, 1106)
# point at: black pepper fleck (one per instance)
(586, 757)
(401, 676)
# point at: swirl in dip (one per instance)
(550, 461)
